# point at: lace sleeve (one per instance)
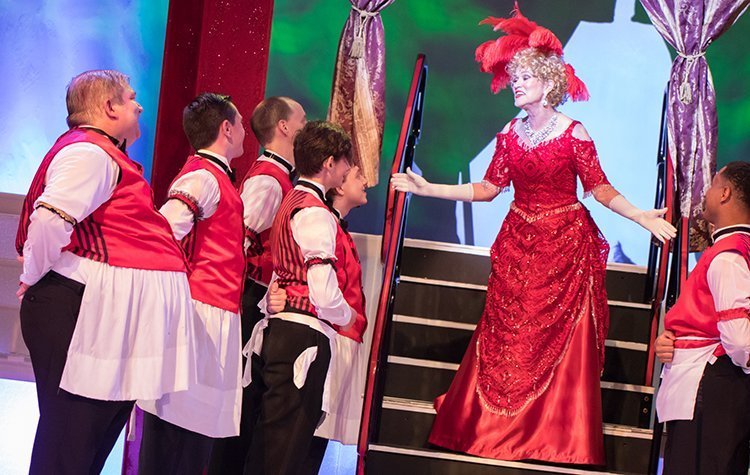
(497, 174)
(588, 168)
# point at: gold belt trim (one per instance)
(530, 218)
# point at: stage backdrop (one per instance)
(613, 47)
(45, 44)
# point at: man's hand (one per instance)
(276, 299)
(664, 346)
(22, 288)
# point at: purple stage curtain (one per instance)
(358, 93)
(690, 26)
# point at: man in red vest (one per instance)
(204, 210)
(342, 421)
(292, 350)
(105, 309)
(275, 123)
(704, 396)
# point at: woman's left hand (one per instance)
(652, 221)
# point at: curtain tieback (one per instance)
(358, 41)
(685, 91)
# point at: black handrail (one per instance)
(393, 238)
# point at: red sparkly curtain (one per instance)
(211, 46)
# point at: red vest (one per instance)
(125, 231)
(694, 313)
(288, 261)
(214, 246)
(349, 275)
(258, 257)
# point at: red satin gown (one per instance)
(528, 385)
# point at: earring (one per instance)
(544, 102)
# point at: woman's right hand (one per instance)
(410, 182)
(653, 222)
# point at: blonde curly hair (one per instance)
(545, 67)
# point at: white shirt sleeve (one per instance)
(729, 281)
(199, 186)
(314, 230)
(261, 196)
(79, 179)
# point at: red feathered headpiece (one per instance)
(521, 33)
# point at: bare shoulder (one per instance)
(580, 132)
(506, 129)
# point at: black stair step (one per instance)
(439, 302)
(405, 461)
(625, 405)
(627, 321)
(408, 425)
(468, 264)
(448, 345)
(471, 266)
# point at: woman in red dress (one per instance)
(528, 385)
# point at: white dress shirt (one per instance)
(80, 178)
(203, 188)
(729, 281)
(261, 195)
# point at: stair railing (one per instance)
(393, 237)
(665, 276)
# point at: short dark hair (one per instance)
(267, 115)
(203, 117)
(738, 174)
(317, 141)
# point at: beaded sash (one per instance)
(531, 218)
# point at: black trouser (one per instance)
(717, 439)
(75, 434)
(288, 416)
(167, 449)
(315, 456)
(228, 455)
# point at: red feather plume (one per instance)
(576, 88)
(521, 33)
(546, 41)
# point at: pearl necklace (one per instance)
(537, 136)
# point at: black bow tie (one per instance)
(289, 168)
(122, 146)
(342, 222)
(222, 165)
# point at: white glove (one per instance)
(410, 182)
(650, 220)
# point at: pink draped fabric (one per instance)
(358, 94)
(690, 26)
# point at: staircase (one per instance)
(438, 302)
